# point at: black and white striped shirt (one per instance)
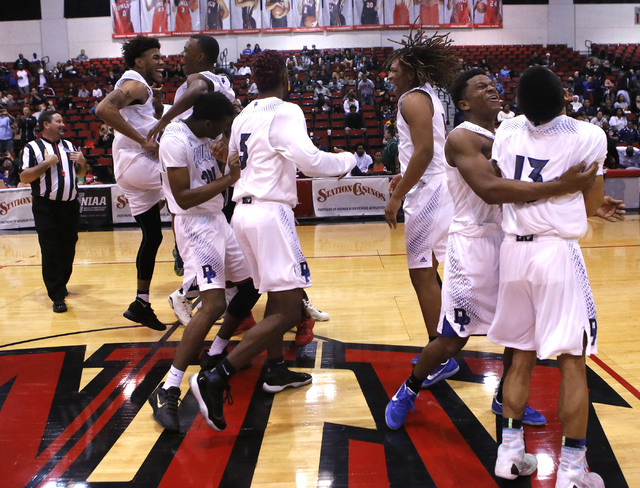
(58, 182)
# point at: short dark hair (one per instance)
(460, 84)
(267, 69)
(540, 94)
(45, 116)
(212, 106)
(136, 47)
(209, 46)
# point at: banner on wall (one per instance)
(350, 196)
(121, 212)
(187, 17)
(15, 209)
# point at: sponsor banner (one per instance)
(350, 196)
(95, 205)
(120, 211)
(15, 209)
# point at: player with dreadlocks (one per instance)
(423, 64)
(270, 137)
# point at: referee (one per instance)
(51, 164)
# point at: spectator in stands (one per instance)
(21, 62)
(612, 161)
(335, 84)
(535, 59)
(244, 70)
(498, 85)
(618, 121)
(634, 106)
(56, 72)
(94, 107)
(70, 70)
(598, 119)
(390, 151)
(83, 92)
(292, 62)
(386, 109)
(505, 113)
(257, 49)
(625, 85)
(629, 157)
(589, 110)
(35, 98)
(41, 108)
(349, 101)
(6, 131)
(607, 108)
(105, 137)
(47, 91)
(82, 57)
(628, 134)
(621, 102)
(247, 50)
(27, 125)
(347, 59)
(575, 104)
(24, 79)
(232, 69)
(377, 168)
(295, 84)
(97, 91)
(483, 65)
(322, 104)
(354, 120)
(363, 161)
(505, 73)
(245, 83)
(548, 61)
(252, 92)
(9, 101)
(365, 89)
(321, 89)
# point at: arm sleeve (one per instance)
(288, 136)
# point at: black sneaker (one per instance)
(142, 313)
(279, 377)
(59, 306)
(211, 392)
(209, 362)
(165, 407)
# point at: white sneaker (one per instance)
(514, 462)
(314, 313)
(575, 474)
(181, 307)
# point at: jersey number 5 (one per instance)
(244, 154)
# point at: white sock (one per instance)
(218, 346)
(174, 378)
(512, 438)
(143, 296)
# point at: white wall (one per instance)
(523, 24)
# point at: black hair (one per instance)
(136, 47)
(540, 95)
(45, 116)
(212, 106)
(460, 84)
(209, 46)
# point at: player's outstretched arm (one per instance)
(464, 151)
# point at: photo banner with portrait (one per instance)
(368, 14)
(215, 16)
(487, 13)
(276, 16)
(155, 17)
(125, 18)
(309, 15)
(338, 15)
(246, 16)
(185, 17)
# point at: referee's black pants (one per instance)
(57, 225)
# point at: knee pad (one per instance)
(243, 301)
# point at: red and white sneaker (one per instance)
(304, 332)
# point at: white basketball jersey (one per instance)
(543, 153)
(220, 84)
(472, 216)
(270, 137)
(141, 117)
(180, 148)
(405, 145)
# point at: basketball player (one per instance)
(270, 137)
(429, 11)
(401, 12)
(279, 10)
(543, 280)
(193, 185)
(248, 22)
(369, 15)
(335, 12)
(460, 11)
(217, 11)
(121, 11)
(160, 21)
(132, 109)
(182, 14)
(309, 11)
(423, 63)
(470, 285)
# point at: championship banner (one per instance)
(350, 196)
(120, 211)
(15, 209)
